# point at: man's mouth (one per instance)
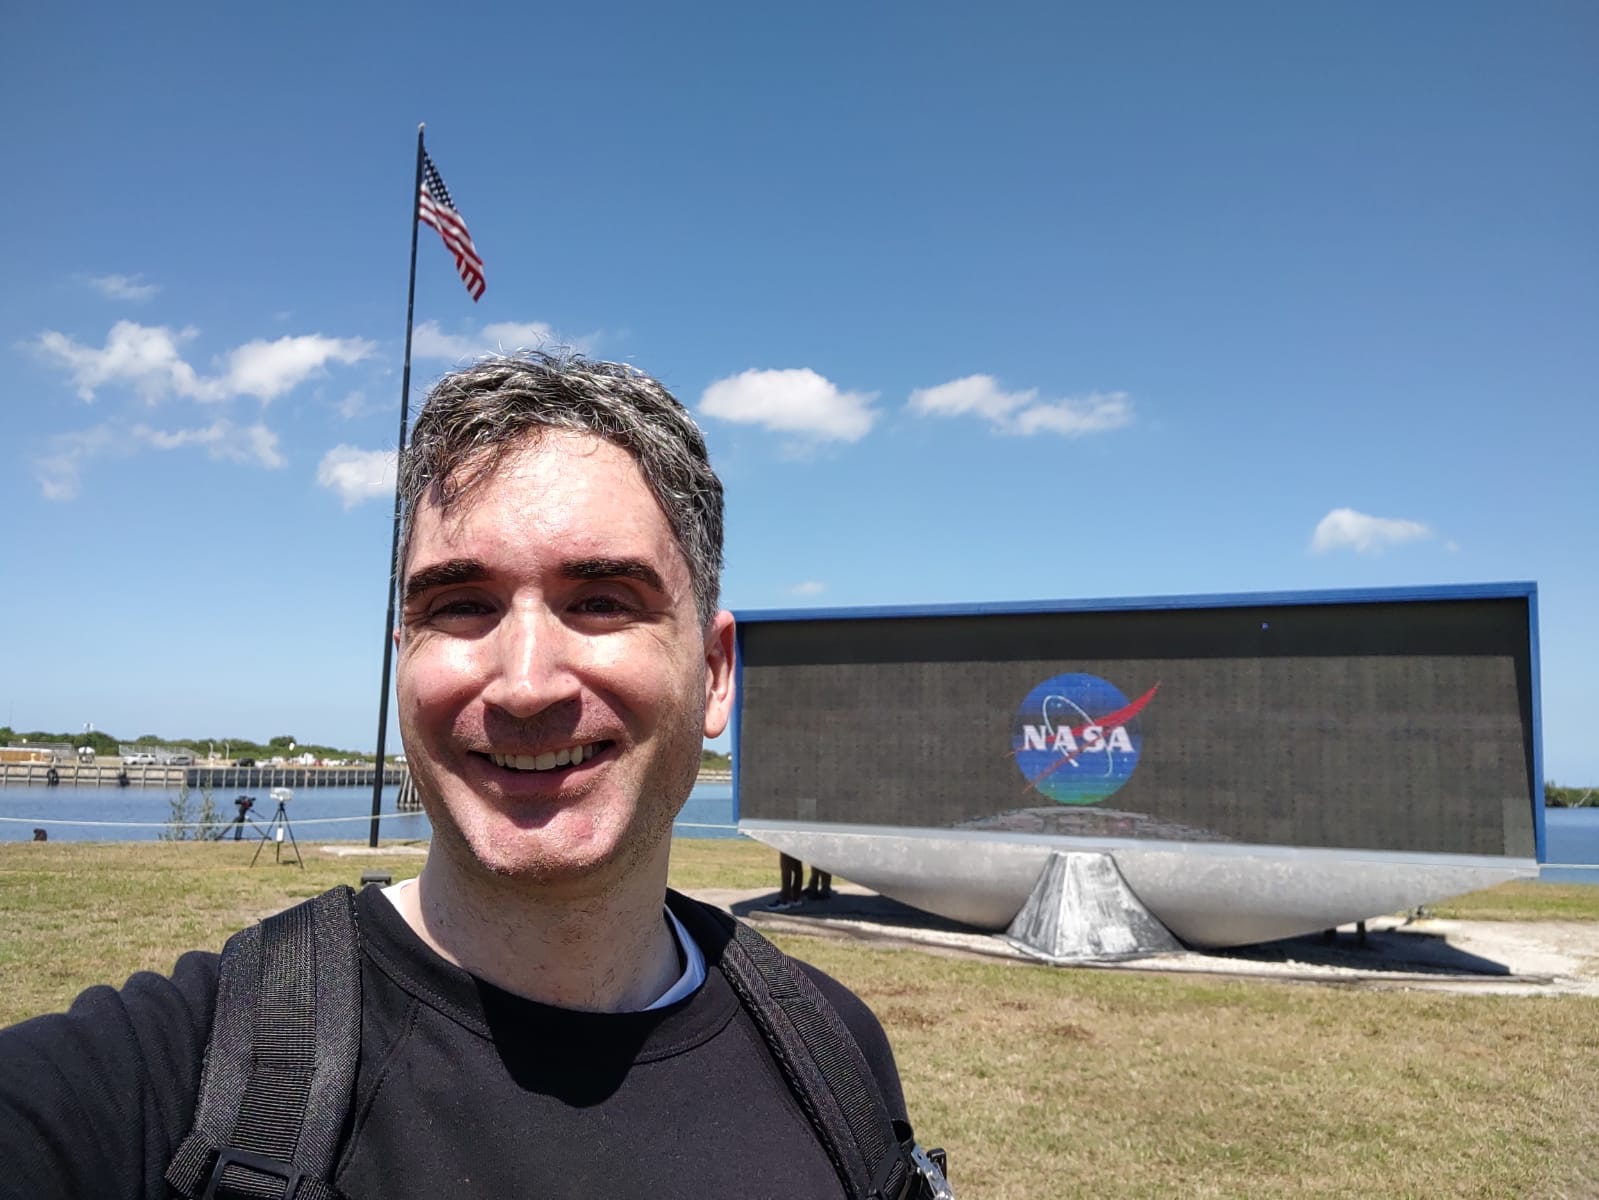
(550, 760)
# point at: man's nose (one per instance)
(532, 667)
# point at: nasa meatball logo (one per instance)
(1076, 738)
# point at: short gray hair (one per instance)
(473, 418)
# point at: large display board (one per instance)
(1389, 723)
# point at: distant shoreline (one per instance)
(106, 773)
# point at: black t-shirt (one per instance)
(463, 1090)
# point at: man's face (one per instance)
(554, 679)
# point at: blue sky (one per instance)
(1026, 302)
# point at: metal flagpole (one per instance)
(394, 548)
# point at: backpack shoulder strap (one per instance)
(279, 1069)
(823, 1064)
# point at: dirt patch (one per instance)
(902, 1017)
(1070, 1031)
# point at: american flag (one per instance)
(436, 208)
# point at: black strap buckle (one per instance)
(260, 1163)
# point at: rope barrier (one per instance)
(228, 824)
(296, 821)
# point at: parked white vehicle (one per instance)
(139, 759)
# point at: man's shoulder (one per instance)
(106, 1089)
(149, 1006)
(867, 1031)
(854, 1011)
(704, 920)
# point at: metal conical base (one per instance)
(1082, 910)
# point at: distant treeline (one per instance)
(283, 746)
(1555, 796)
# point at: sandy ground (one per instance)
(1476, 957)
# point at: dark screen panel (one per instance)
(1397, 726)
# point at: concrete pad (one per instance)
(1475, 957)
(419, 851)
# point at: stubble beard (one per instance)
(517, 857)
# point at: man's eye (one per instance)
(457, 608)
(603, 605)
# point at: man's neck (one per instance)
(608, 951)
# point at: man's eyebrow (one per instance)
(443, 574)
(614, 568)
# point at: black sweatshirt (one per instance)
(463, 1090)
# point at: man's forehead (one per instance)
(542, 472)
(514, 470)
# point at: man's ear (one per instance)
(719, 651)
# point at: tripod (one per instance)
(244, 804)
(276, 830)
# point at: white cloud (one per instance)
(429, 341)
(978, 394)
(1076, 417)
(60, 468)
(1023, 413)
(1346, 529)
(809, 588)
(222, 439)
(260, 445)
(123, 287)
(357, 475)
(268, 369)
(148, 359)
(144, 357)
(791, 401)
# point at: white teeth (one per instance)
(548, 761)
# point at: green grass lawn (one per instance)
(1042, 1082)
(1524, 902)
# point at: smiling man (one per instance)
(557, 674)
(535, 1013)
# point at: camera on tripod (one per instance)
(277, 830)
(244, 804)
